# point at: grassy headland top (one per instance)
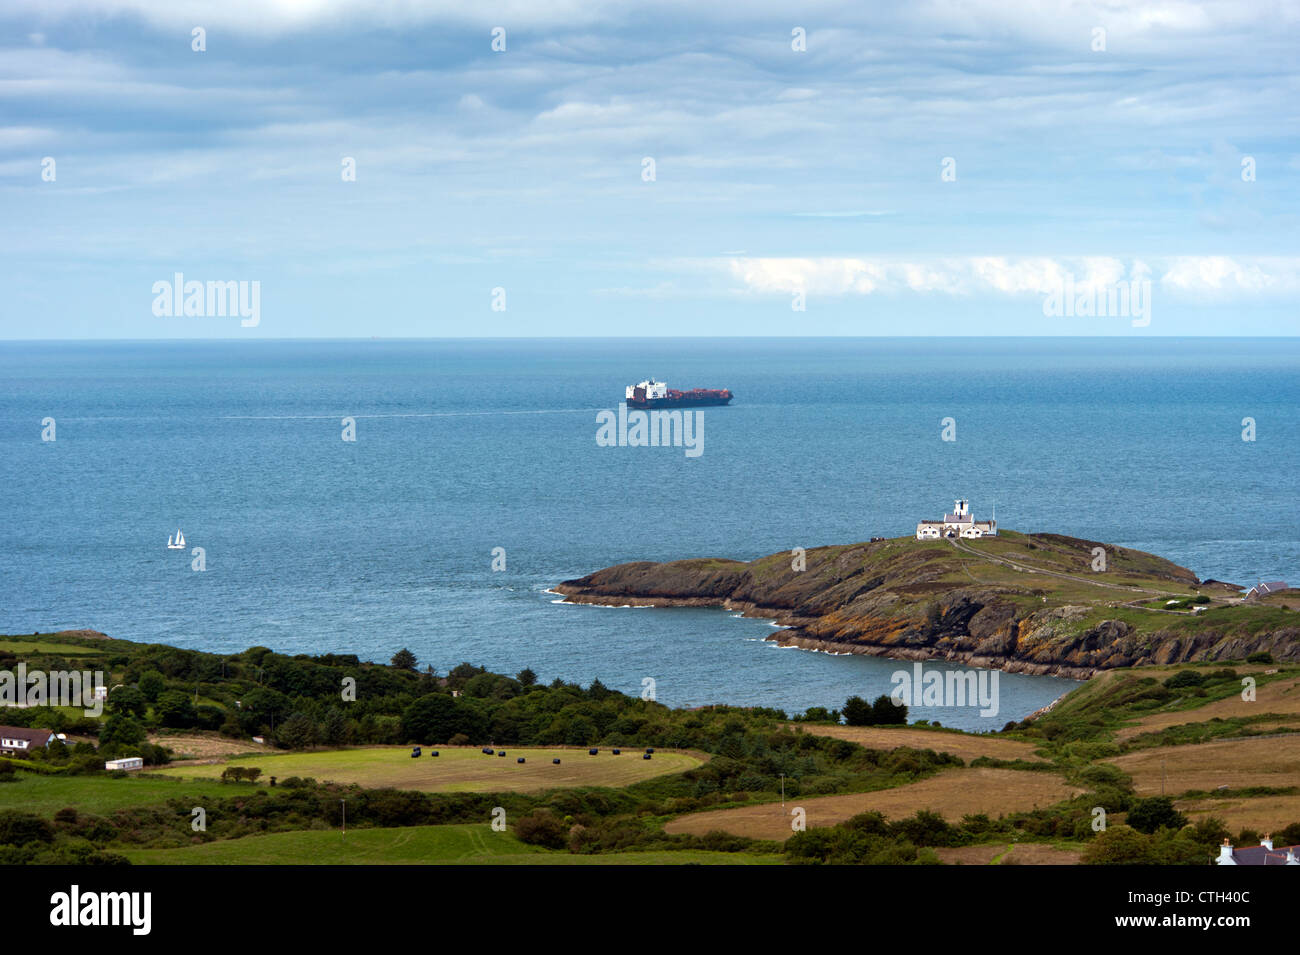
(1037, 603)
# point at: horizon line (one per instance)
(534, 338)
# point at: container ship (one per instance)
(656, 394)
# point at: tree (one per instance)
(266, 706)
(526, 676)
(297, 732)
(152, 684)
(122, 730)
(174, 709)
(127, 701)
(438, 717)
(858, 712)
(1148, 815)
(404, 659)
(334, 727)
(886, 712)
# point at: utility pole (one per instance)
(344, 803)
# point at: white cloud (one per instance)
(1007, 276)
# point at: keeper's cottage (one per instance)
(960, 523)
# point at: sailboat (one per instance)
(178, 543)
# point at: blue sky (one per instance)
(777, 171)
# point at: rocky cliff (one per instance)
(1033, 603)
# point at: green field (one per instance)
(100, 795)
(20, 647)
(457, 769)
(462, 844)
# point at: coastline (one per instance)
(793, 636)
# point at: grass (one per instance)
(458, 769)
(966, 746)
(1235, 763)
(99, 795)
(953, 794)
(1018, 853)
(416, 845)
(20, 647)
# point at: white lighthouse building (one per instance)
(960, 523)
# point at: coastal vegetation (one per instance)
(1173, 757)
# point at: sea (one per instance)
(475, 482)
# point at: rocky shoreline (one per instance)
(1024, 607)
(793, 636)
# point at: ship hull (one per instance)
(702, 402)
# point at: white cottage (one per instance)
(960, 523)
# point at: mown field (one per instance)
(418, 845)
(457, 769)
(967, 746)
(952, 793)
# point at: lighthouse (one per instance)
(960, 523)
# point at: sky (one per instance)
(605, 168)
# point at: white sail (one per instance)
(169, 541)
(180, 539)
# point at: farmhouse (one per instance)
(18, 740)
(960, 523)
(1262, 854)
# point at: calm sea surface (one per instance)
(314, 544)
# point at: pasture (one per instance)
(416, 845)
(458, 768)
(100, 794)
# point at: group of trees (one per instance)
(883, 711)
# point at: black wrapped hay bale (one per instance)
(645, 756)
(592, 752)
(555, 762)
(519, 760)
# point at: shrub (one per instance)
(20, 828)
(1148, 815)
(541, 827)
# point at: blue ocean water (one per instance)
(314, 544)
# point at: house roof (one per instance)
(1262, 855)
(33, 736)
